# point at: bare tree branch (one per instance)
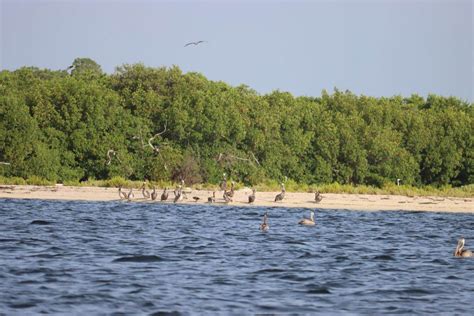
(111, 154)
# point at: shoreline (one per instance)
(359, 202)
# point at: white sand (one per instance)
(263, 199)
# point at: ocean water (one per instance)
(71, 257)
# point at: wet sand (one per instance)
(263, 199)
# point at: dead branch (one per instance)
(111, 154)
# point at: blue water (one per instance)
(142, 258)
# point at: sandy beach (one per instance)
(263, 199)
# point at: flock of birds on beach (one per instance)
(181, 192)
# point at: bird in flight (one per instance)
(194, 43)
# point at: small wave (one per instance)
(384, 257)
(139, 259)
(270, 270)
(318, 290)
(165, 313)
(23, 305)
(40, 222)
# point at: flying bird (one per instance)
(194, 43)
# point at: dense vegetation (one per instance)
(81, 123)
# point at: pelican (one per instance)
(130, 194)
(212, 198)
(164, 195)
(280, 196)
(308, 222)
(178, 196)
(145, 192)
(252, 196)
(122, 194)
(223, 184)
(154, 194)
(460, 251)
(317, 197)
(194, 43)
(226, 197)
(230, 193)
(264, 226)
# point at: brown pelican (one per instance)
(178, 196)
(264, 226)
(252, 196)
(154, 194)
(122, 194)
(184, 189)
(164, 195)
(130, 195)
(194, 43)
(281, 196)
(223, 184)
(317, 197)
(460, 251)
(230, 193)
(145, 192)
(226, 197)
(308, 222)
(212, 198)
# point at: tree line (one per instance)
(163, 124)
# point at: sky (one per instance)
(372, 47)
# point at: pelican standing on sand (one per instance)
(164, 195)
(281, 196)
(130, 195)
(226, 197)
(308, 221)
(145, 192)
(317, 197)
(123, 195)
(212, 198)
(223, 184)
(264, 226)
(178, 196)
(460, 251)
(154, 194)
(230, 193)
(252, 196)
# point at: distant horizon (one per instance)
(380, 49)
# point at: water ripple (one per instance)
(75, 257)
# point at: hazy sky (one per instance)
(377, 48)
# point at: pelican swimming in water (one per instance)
(308, 221)
(264, 226)
(281, 196)
(164, 195)
(252, 196)
(460, 251)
